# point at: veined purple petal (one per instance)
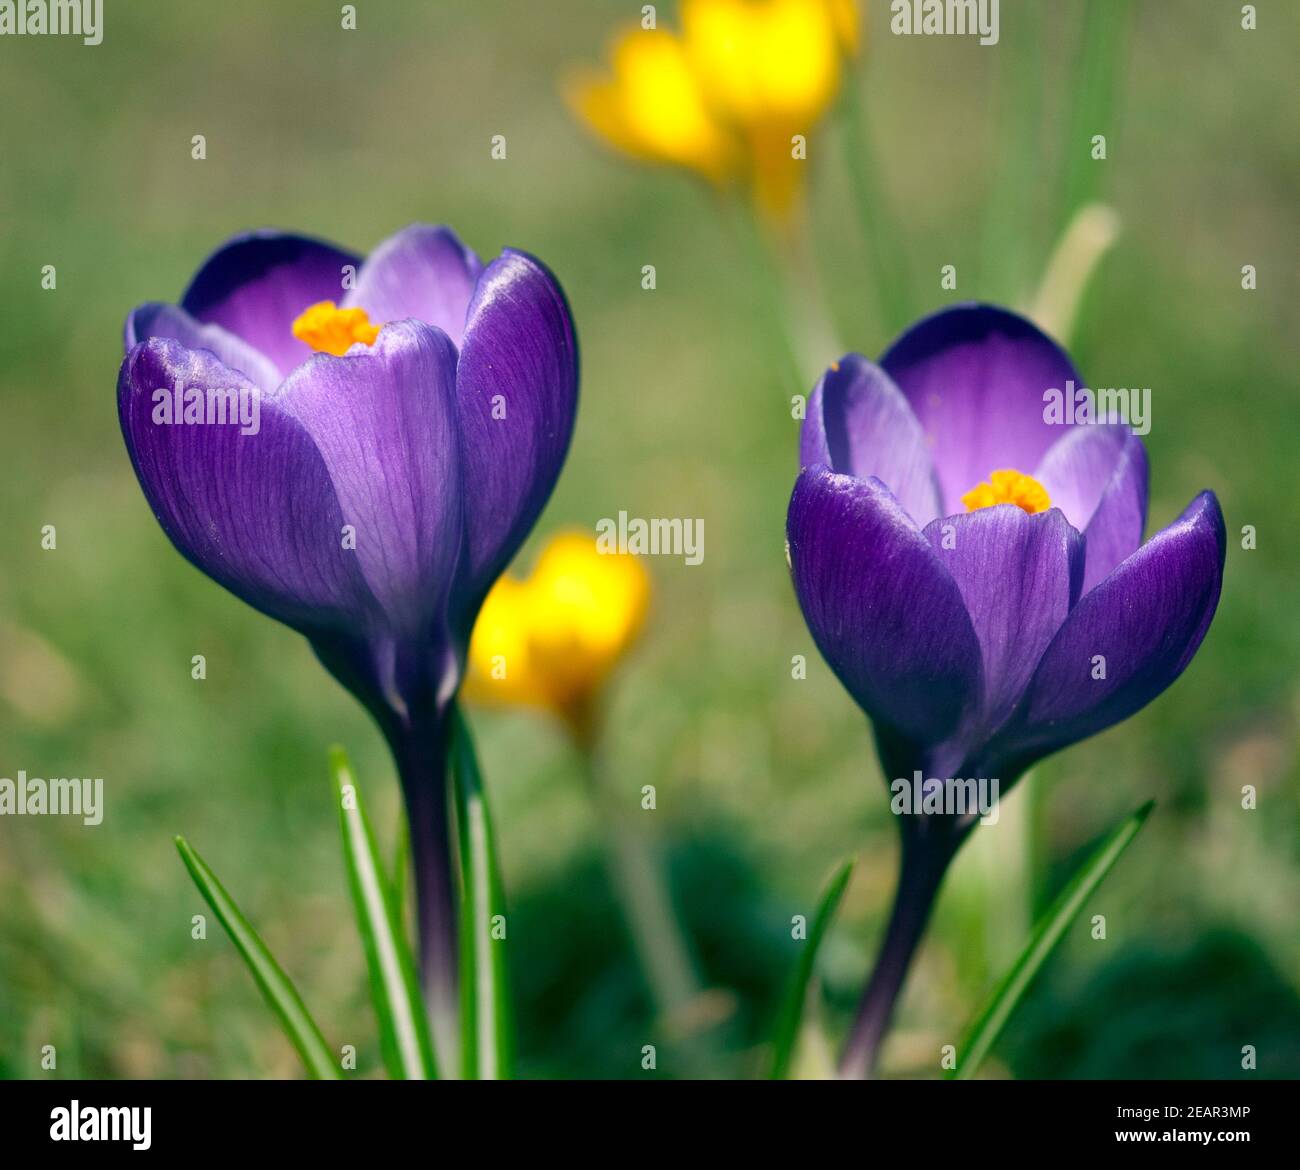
(383, 418)
(860, 424)
(975, 376)
(1019, 575)
(256, 512)
(517, 387)
(422, 272)
(1126, 640)
(882, 608)
(159, 320)
(255, 285)
(1097, 476)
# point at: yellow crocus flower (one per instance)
(763, 62)
(727, 97)
(551, 639)
(651, 106)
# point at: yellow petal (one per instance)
(500, 668)
(848, 27)
(765, 61)
(651, 106)
(551, 639)
(778, 177)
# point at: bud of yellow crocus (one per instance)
(731, 95)
(551, 639)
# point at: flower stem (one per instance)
(924, 861)
(643, 893)
(795, 362)
(420, 749)
(409, 701)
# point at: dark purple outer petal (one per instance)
(520, 359)
(383, 418)
(158, 320)
(255, 285)
(860, 424)
(256, 512)
(975, 376)
(1146, 620)
(1097, 475)
(422, 272)
(1019, 575)
(882, 609)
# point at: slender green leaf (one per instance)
(279, 992)
(403, 1023)
(775, 324)
(1051, 928)
(484, 1017)
(1093, 90)
(401, 871)
(792, 1011)
(1011, 227)
(879, 226)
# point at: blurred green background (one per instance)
(764, 782)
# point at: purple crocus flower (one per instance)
(976, 578)
(390, 432)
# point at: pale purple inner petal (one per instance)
(159, 320)
(976, 377)
(860, 424)
(256, 285)
(1097, 475)
(421, 272)
(384, 421)
(1019, 575)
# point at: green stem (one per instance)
(804, 299)
(796, 363)
(925, 854)
(643, 893)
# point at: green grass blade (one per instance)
(1051, 928)
(792, 1011)
(484, 1016)
(1094, 89)
(275, 986)
(880, 228)
(403, 1023)
(401, 871)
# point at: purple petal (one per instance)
(422, 272)
(256, 512)
(256, 285)
(1097, 476)
(517, 387)
(1145, 621)
(860, 424)
(975, 376)
(384, 420)
(882, 609)
(1019, 576)
(158, 320)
